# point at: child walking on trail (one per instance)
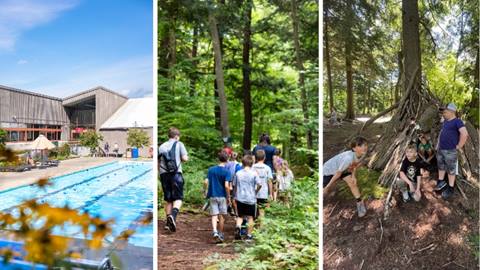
(452, 138)
(410, 178)
(246, 186)
(343, 166)
(277, 167)
(285, 178)
(217, 185)
(265, 174)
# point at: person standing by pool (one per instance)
(106, 148)
(115, 149)
(171, 154)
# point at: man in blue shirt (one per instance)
(217, 185)
(452, 137)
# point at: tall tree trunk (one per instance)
(247, 99)
(219, 75)
(369, 101)
(193, 78)
(400, 80)
(327, 58)
(350, 114)
(476, 70)
(411, 44)
(301, 70)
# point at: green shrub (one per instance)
(64, 150)
(137, 138)
(288, 237)
(91, 139)
(367, 181)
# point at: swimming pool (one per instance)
(121, 190)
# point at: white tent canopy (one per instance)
(41, 143)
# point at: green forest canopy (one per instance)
(449, 49)
(187, 98)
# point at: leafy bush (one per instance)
(90, 139)
(137, 138)
(367, 181)
(288, 237)
(64, 151)
(3, 137)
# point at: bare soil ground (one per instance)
(191, 246)
(430, 234)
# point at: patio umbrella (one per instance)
(41, 143)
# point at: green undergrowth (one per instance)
(474, 242)
(367, 181)
(287, 238)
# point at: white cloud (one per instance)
(22, 62)
(18, 16)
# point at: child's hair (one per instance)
(260, 155)
(412, 147)
(247, 161)
(172, 132)
(358, 141)
(278, 152)
(222, 156)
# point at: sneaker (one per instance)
(249, 238)
(405, 196)
(440, 185)
(237, 233)
(447, 193)
(222, 237)
(166, 226)
(171, 223)
(217, 237)
(361, 209)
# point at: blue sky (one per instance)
(61, 47)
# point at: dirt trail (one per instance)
(192, 244)
(430, 234)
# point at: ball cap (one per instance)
(450, 107)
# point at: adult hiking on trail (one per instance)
(171, 154)
(264, 144)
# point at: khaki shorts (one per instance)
(218, 206)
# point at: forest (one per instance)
(229, 71)
(388, 69)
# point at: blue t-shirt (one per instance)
(449, 135)
(269, 153)
(217, 176)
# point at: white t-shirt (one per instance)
(340, 162)
(264, 174)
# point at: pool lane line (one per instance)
(67, 187)
(60, 176)
(98, 197)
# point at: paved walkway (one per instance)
(15, 179)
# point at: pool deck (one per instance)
(14, 179)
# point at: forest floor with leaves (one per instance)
(430, 234)
(192, 245)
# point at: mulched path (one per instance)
(192, 245)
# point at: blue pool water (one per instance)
(119, 190)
